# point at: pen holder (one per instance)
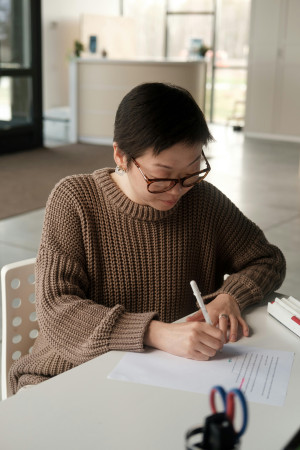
(218, 434)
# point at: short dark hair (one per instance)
(158, 115)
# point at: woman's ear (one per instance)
(119, 157)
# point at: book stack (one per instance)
(286, 311)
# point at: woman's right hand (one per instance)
(193, 340)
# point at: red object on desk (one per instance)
(295, 319)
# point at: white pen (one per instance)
(200, 301)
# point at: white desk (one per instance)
(82, 409)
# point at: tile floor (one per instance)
(260, 177)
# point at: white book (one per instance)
(286, 311)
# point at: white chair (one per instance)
(19, 323)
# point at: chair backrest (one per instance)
(19, 323)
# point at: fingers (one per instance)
(207, 341)
(204, 353)
(224, 321)
(196, 317)
(202, 341)
(244, 326)
(195, 339)
(233, 333)
(234, 325)
(223, 324)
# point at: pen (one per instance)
(200, 302)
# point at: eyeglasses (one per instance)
(158, 185)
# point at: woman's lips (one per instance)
(170, 202)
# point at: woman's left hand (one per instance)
(225, 312)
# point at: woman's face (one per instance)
(178, 161)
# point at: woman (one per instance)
(119, 248)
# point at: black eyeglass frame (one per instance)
(174, 181)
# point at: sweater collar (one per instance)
(120, 201)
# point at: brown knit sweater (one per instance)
(107, 266)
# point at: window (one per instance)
(20, 75)
(231, 62)
(223, 23)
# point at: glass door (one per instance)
(20, 75)
(231, 63)
(223, 27)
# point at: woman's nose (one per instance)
(177, 189)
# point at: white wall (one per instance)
(273, 94)
(60, 28)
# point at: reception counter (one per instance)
(97, 85)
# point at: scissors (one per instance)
(228, 400)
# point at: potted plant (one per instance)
(78, 47)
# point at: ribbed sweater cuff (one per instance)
(128, 333)
(242, 289)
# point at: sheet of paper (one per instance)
(263, 375)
